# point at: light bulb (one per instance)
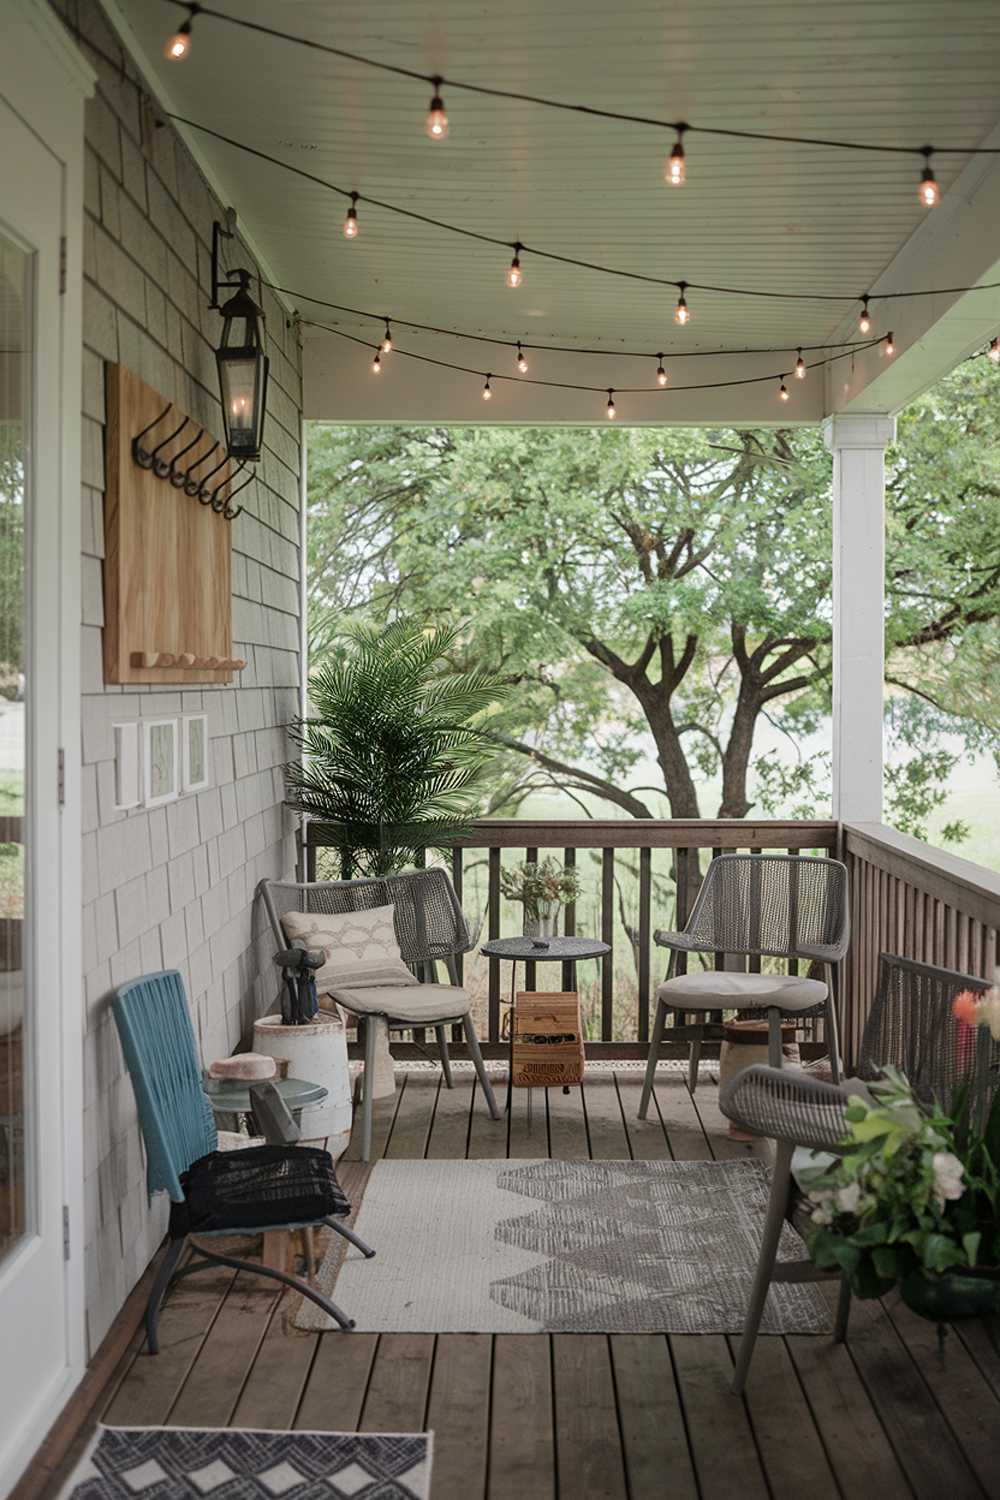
(889, 347)
(682, 313)
(994, 351)
(436, 125)
(351, 220)
(612, 413)
(387, 340)
(864, 321)
(661, 375)
(377, 364)
(514, 274)
(522, 363)
(800, 367)
(928, 192)
(487, 392)
(783, 392)
(179, 45)
(676, 172)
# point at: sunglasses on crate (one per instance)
(537, 1038)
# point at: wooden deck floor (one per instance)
(533, 1417)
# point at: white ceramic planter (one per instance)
(316, 1053)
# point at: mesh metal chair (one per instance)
(211, 1193)
(758, 905)
(430, 927)
(910, 1027)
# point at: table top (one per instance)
(231, 1096)
(523, 949)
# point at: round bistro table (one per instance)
(231, 1096)
(515, 950)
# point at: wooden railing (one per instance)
(663, 859)
(917, 901)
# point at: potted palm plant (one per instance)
(396, 747)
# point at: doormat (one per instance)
(563, 1246)
(175, 1463)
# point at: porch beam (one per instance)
(858, 445)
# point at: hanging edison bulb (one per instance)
(514, 274)
(800, 367)
(865, 320)
(783, 391)
(682, 313)
(351, 219)
(522, 363)
(661, 375)
(387, 339)
(377, 364)
(994, 351)
(611, 412)
(178, 46)
(928, 192)
(436, 124)
(889, 347)
(676, 173)
(487, 389)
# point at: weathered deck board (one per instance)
(626, 1417)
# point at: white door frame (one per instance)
(45, 80)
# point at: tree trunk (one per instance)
(677, 779)
(736, 760)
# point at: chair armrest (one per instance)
(824, 953)
(680, 941)
(786, 1105)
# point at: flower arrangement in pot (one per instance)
(914, 1200)
(543, 887)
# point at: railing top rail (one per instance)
(641, 833)
(958, 882)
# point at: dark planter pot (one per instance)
(955, 1294)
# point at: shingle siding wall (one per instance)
(172, 887)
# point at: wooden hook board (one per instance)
(168, 568)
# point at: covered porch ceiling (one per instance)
(764, 216)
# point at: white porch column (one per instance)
(858, 446)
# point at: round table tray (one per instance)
(525, 949)
(231, 1096)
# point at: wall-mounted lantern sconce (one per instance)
(242, 363)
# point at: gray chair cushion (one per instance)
(417, 1005)
(720, 990)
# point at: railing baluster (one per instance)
(458, 881)
(569, 926)
(531, 855)
(720, 958)
(645, 904)
(493, 918)
(608, 936)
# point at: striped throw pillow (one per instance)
(360, 947)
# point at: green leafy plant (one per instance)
(395, 750)
(916, 1190)
(540, 884)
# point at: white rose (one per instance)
(822, 1216)
(847, 1198)
(948, 1174)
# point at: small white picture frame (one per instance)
(194, 752)
(128, 783)
(161, 771)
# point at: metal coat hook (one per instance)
(162, 466)
(191, 486)
(219, 505)
(141, 455)
(205, 495)
(228, 512)
(177, 476)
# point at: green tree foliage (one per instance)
(672, 587)
(396, 751)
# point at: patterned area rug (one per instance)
(188, 1463)
(563, 1246)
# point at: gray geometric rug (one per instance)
(197, 1463)
(563, 1246)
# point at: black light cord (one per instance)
(440, 81)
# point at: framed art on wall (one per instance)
(194, 752)
(161, 771)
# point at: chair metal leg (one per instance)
(442, 1036)
(351, 1237)
(164, 1276)
(774, 1055)
(368, 1088)
(832, 1019)
(843, 1311)
(654, 1047)
(330, 1308)
(694, 1060)
(472, 1042)
(776, 1208)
